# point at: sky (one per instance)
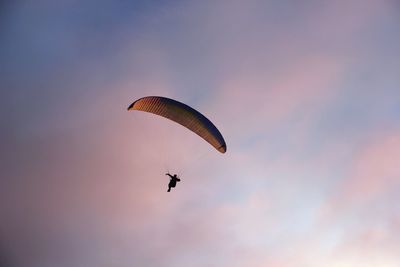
(305, 93)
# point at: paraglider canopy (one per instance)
(184, 115)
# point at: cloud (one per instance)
(85, 178)
(372, 174)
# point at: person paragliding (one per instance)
(184, 115)
(172, 182)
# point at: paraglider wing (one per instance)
(184, 115)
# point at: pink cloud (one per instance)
(372, 177)
(374, 170)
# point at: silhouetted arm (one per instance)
(169, 175)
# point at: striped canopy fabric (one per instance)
(184, 115)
